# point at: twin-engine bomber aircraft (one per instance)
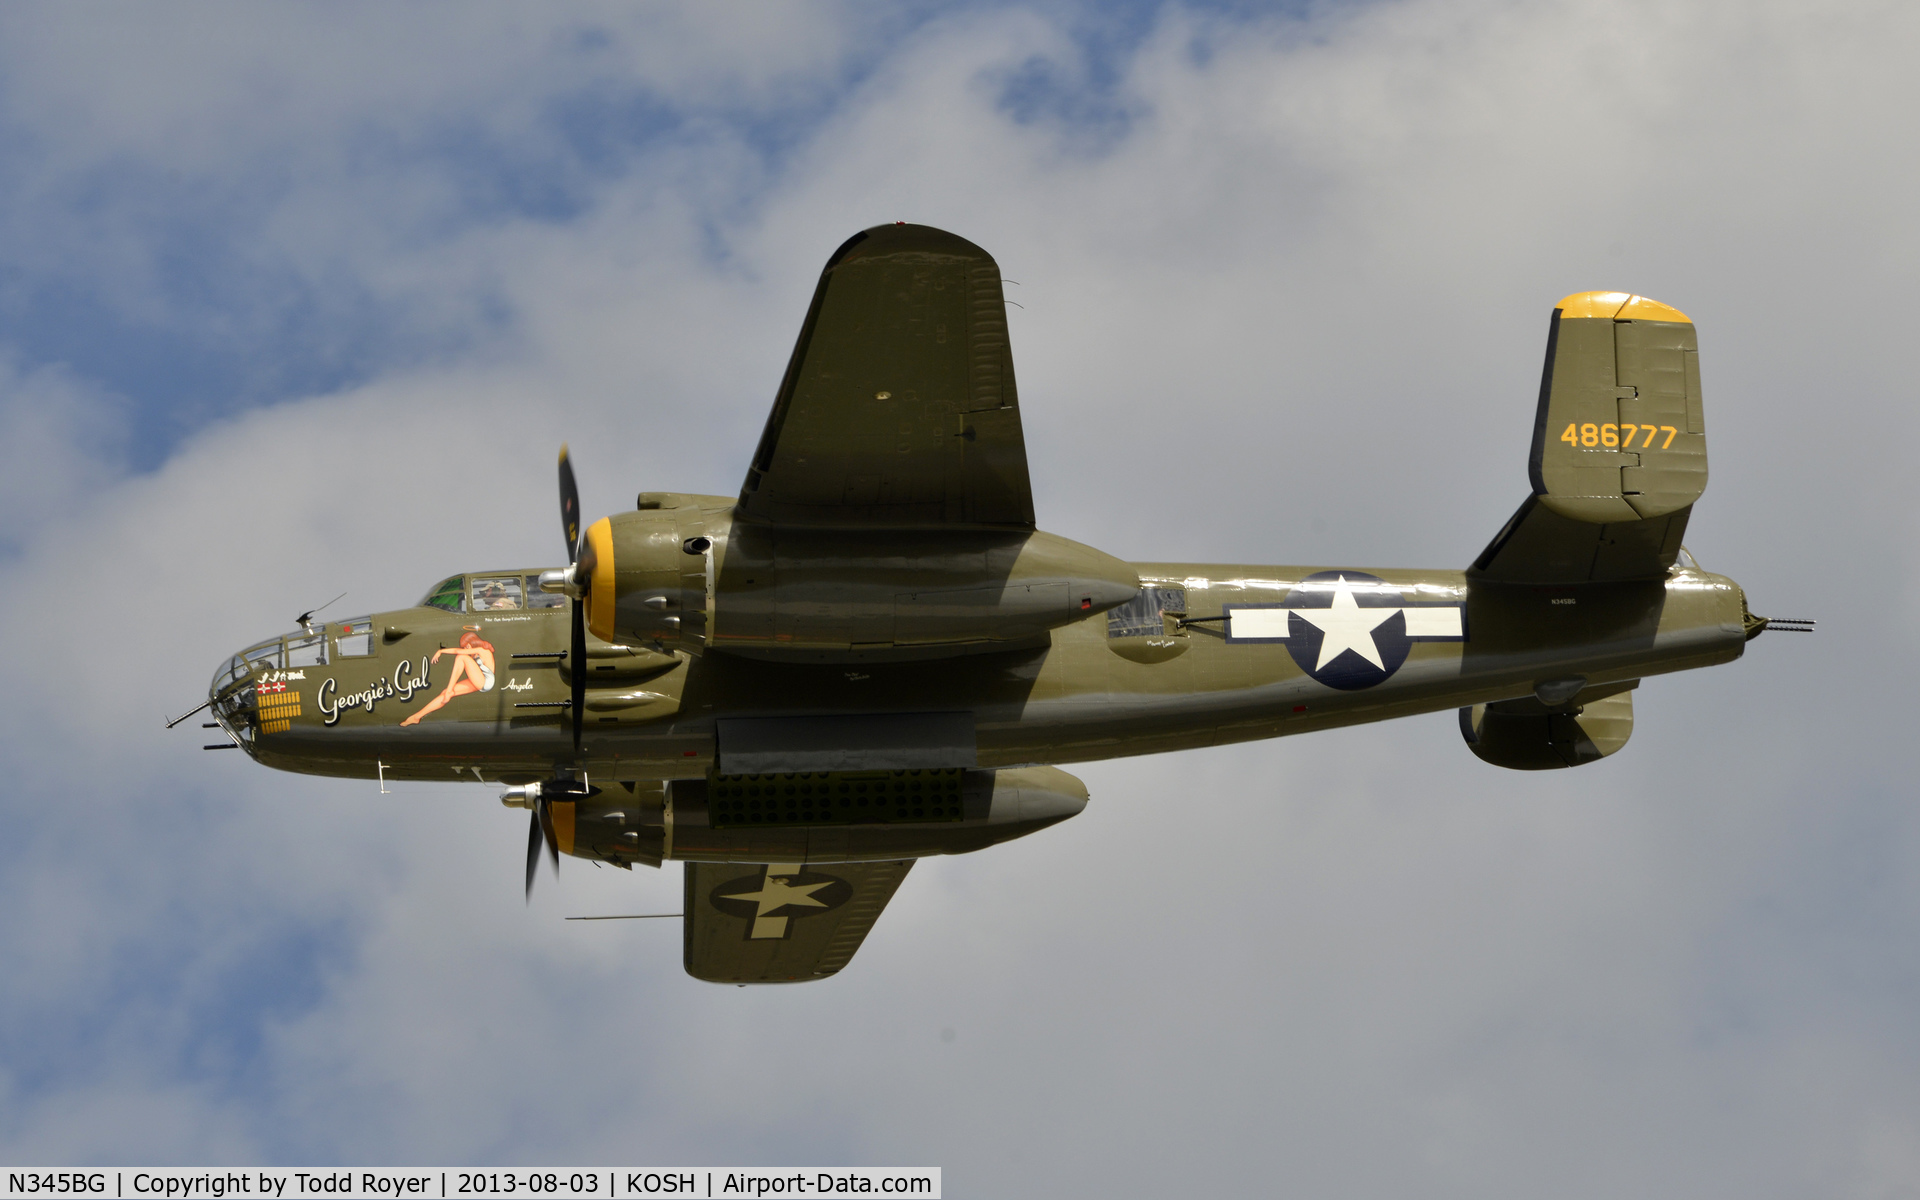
(873, 655)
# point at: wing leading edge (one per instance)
(898, 409)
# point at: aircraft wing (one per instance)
(779, 922)
(898, 408)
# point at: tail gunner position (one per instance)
(872, 655)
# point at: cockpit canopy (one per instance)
(323, 642)
(315, 647)
(491, 591)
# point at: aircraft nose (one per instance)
(230, 695)
(230, 673)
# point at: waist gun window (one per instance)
(1142, 615)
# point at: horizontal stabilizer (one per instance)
(1540, 546)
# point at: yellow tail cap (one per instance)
(1620, 306)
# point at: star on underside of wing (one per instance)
(1347, 626)
(777, 893)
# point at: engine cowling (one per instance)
(650, 580)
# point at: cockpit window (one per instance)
(355, 639)
(266, 656)
(307, 650)
(539, 599)
(491, 592)
(451, 594)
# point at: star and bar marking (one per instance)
(1327, 632)
(779, 888)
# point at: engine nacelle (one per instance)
(680, 572)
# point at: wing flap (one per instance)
(781, 922)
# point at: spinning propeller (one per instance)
(540, 797)
(580, 566)
(540, 828)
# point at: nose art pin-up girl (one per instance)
(472, 670)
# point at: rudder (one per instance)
(1620, 434)
(1619, 447)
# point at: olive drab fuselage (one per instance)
(1196, 655)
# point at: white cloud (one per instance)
(1293, 314)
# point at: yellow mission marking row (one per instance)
(278, 710)
(1616, 437)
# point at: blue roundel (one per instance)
(1339, 633)
(1348, 629)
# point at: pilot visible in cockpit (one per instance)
(492, 594)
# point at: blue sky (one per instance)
(194, 302)
(300, 299)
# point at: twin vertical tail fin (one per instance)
(1619, 447)
(1619, 436)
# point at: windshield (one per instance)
(450, 594)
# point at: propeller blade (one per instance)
(583, 563)
(533, 849)
(569, 505)
(544, 814)
(579, 663)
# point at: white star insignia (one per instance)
(776, 893)
(1347, 626)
